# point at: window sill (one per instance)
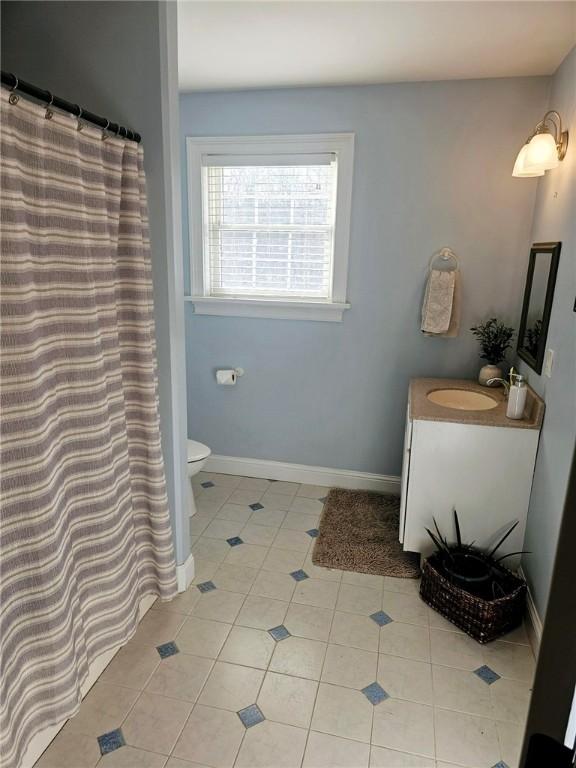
(269, 308)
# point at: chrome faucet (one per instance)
(503, 381)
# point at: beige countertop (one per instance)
(423, 409)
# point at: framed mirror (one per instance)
(537, 306)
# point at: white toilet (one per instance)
(197, 455)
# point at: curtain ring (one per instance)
(49, 113)
(13, 98)
(104, 135)
(80, 125)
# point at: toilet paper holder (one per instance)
(227, 376)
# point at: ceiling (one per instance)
(269, 44)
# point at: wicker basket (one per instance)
(484, 620)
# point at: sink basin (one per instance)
(462, 399)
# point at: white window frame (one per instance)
(340, 144)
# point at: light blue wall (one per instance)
(432, 167)
(555, 219)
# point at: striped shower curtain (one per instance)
(84, 523)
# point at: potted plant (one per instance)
(471, 587)
(495, 340)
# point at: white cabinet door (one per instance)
(483, 472)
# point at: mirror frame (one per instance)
(554, 250)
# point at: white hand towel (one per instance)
(438, 302)
(454, 327)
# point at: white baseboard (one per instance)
(42, 740)
(303, 473)
(534, 627)
(185, 573)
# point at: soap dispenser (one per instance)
(516, 396)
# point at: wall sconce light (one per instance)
(544, 149)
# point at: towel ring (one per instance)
(444, 254)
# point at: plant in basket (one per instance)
(471, 587)
(478, 572)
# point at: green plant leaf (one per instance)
(457, 527)
(443, 539)
(497, 587)
(503, 539)
(510, 554)
(439, 545)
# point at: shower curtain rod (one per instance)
(15, 84)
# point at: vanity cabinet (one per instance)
(476, 462)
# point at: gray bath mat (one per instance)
(359, 532)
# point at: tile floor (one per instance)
(268, 661)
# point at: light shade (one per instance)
(520, 168)
(542, 153)
(545, 148)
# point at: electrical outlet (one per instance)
(548, 363)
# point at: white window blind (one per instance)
(268, 225)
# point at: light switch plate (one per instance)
(548, 363)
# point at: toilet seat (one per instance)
(197, 451)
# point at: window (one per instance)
(269, 223)
(269, 229)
